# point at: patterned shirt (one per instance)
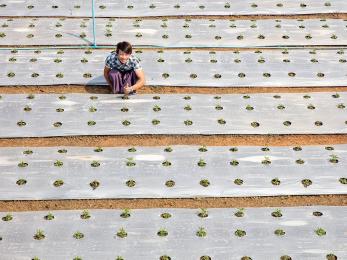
(112, 62)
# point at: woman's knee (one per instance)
(113, 72)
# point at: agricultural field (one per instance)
(235, 149)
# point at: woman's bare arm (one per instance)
(141, 79)
(106, 71)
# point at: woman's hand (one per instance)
(128, 89)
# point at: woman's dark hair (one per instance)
(125, 47)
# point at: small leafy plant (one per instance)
(203, 213)
(240, 212)
(317, 213)
(203, 149)
(249, 108)
(170, 183)
(201, 232)
(94, 184)
(85, 214)
(306, 182)
(92, 109)
(21, 123)
(98, 149)
(277, 213)
(126, 122)
(201, 163)
(125, 213)
(49, 216)
(11, 74)
(130, 183)
(132, 150)
(155, 122)
(122, 233)
(168, 149)
(58, 163)
(234, 162)
(320, 232)
(275, 181)
(21, 182)
(333, 158)
(57, 124)
(166, 163)
(205, 183)
(39, 235)
(238, 181)
(156, 108)
(343, 180)
(279, 232)
(8, 217)
(255, 124)
(95, 164)
(188, 108)
(130, 162)
(22, 164)
(58, 183)
(165, 215)
(221, 121)
(188, 122)
(78, 235)
(162, 232)
(240, 233)
(31, 96)
(299, 161)
(318, 123)
(218, 107)
(266, 161)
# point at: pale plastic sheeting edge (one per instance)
(262, 68)
(152, 172)
(74, 114)
(174, 32)
(136, 8)
(80, 114)
(100, 240)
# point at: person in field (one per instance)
(123, 71)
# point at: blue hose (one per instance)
(93, 15)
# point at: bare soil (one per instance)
(166, 140)
(241, 202)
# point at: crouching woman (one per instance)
(123, 71)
